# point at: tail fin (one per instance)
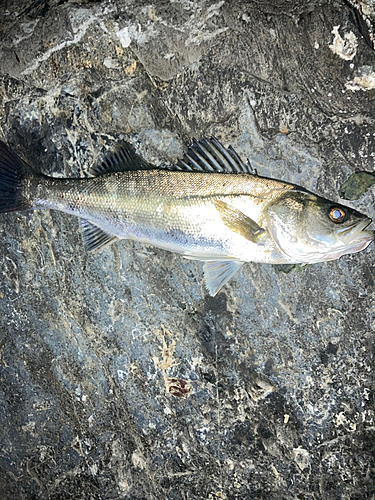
(13, 171)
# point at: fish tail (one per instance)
(14, 173)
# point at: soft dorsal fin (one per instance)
(122, 159)
(209, 155)
(93, 237)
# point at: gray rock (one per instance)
(120, 377)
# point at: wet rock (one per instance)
(120, 376)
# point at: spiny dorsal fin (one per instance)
(238, 222)
(93, 237)
(217, 273)
(122, 159)
(209, 155)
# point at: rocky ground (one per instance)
(121, 378)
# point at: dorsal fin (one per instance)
(206, 155)
(122, 159)
(209, 155)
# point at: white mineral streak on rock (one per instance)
(365, 80)
(138, 459)
(124, 37)
(110, 63)
(79, 31)
(199, 33)
(301, 457)
(346, 47)
(203, 37)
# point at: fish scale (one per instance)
(171, 210)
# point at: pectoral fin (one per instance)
(217, 273)
(93, 237)
(238, 222)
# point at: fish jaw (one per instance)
(355, 232)
(362, 242)
(354, 238)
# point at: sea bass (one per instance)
(210, 207)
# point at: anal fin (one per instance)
(217, 273)
(93, 237)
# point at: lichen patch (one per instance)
(175, 386)
(346, 47)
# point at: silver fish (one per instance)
(209, 207)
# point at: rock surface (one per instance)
(120, 377)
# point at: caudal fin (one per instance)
(13, 173)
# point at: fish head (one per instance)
(308, 228)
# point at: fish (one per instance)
(210, 206)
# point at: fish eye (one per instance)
(336, 214)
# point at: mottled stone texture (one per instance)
(120, 377)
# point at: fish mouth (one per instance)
(356, 234)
